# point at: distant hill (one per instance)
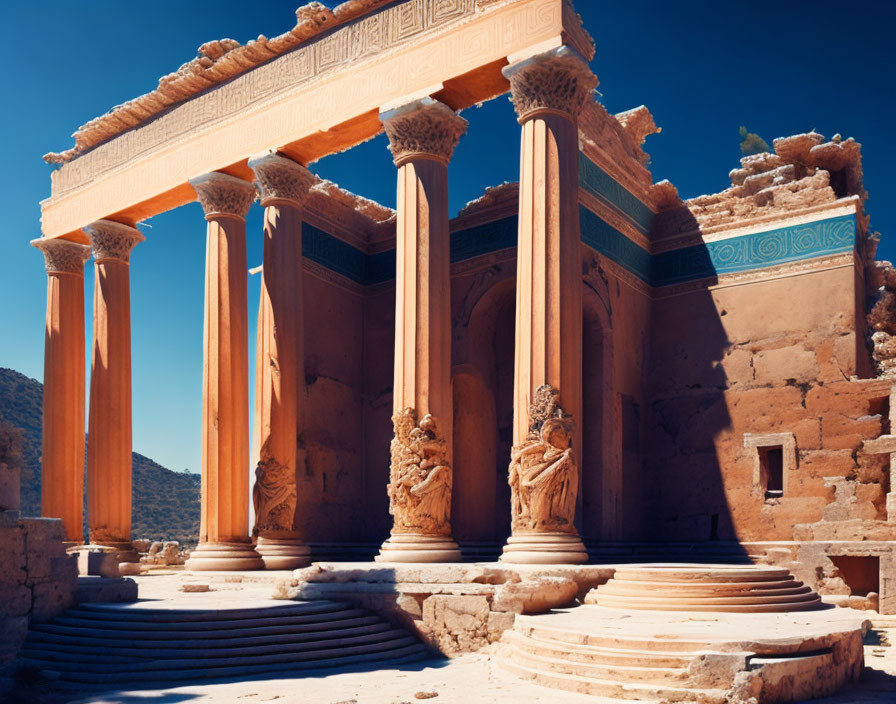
(165, 503)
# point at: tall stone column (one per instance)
(280, 360)
(422, 137)
(62, 449)
(109, 427)
(548, 91)
(224, 518)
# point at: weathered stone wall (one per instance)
(37, 579)
(772, 356)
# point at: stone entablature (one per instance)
(142, 172)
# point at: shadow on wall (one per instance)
(683, 492)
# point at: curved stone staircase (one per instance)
(105, 644)
(641, 669)
(721, 588)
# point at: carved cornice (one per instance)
(223, 194)
(424, 128)
(63, 256)
(281, 179)
(112, 240)
(557, 81)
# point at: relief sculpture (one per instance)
(543, 472)
(419, 476)
(273, 497)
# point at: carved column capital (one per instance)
(223, 194)
(112, 240)
(279, 178)
(424, 128)
(557, 81)
(63, 256)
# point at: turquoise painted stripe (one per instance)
(754, 251)
(599, 183)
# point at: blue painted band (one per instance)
(754, 251)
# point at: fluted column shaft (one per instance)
(422, 137)
(280, 360)
(109, 439)
(62, 448)
(224, 516)
(548, 92)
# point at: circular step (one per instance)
(674, 587)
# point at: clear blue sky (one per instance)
(703, 69)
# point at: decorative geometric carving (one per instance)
(423, 127)
(208, 89)
(112, 240)
(223, 194)
(273, 497)
(63, 256)
(281, 178)
(558, 80)
(543, 475)
(419, 476)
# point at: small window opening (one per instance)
(861, 574)
(771, 461)
(714, 527)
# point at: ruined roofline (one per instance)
(804, 172)
(221, 60)
(217, 62)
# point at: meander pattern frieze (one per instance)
(112, 240)
(759, 252)
(63, 256)
(359, 40)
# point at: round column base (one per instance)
(415, 547)
(283, 553)
(224, 557)
(550, 548)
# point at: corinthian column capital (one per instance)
(279, 178)
(63, 256)
(223, 194)
(556, 81)
(112, 240)
(424, 128)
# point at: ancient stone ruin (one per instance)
(578, 373)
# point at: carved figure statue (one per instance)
(543, 474)
(419, 476)
(273, 497)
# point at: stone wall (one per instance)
(37, 579)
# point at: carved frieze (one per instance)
(281, 178)
(63, 256)
(424, 127)
(543, 474)
(222, 194)
(112, 240)
(419, 476)
(557, 80)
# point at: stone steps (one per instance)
(610, 689)
(541, 656)
(107, 644)
(610, 640)
(739, 589)
(597, 654)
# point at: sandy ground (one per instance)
(472, 679)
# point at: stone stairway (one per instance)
(106, 644)
(640, 669)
